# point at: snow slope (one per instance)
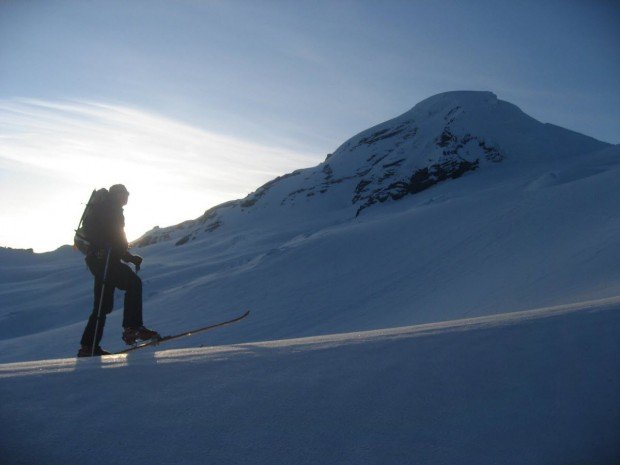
(539, 387)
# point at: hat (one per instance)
(117, 189)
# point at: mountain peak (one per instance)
(449, 100)
(443, 137)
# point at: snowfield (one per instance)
(537, 387)
(444, 288)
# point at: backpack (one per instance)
(84, 234)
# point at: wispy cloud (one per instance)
(174, 170)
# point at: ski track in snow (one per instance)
(320, 342)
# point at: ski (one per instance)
(155, 342)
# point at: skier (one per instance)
(108, 246)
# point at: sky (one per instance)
(193, 103)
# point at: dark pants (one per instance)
(119, 276)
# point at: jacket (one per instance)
(106, 228)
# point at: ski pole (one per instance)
(105, 276)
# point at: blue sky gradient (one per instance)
(298, 77)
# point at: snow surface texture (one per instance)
(460, 208)
(532, 388)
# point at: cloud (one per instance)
(62, 150)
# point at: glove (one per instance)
(135, 259)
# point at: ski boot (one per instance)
(132, 335)
(87, 351)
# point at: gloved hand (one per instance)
(136, 260)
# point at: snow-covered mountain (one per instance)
(462, 206)
(441, 138)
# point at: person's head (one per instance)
(119, 193)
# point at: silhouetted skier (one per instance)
(104, 226)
